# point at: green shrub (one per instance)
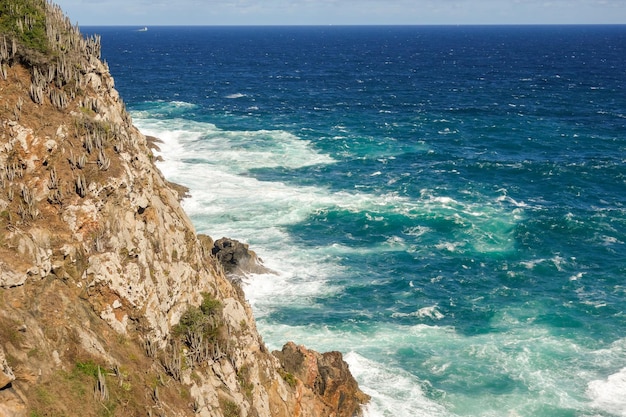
(288, 377)
(209, 304)
(89, 368)
(190, 321)
(31, 32)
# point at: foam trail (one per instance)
(215, 165)
(394, 392)
(228, 201)
(609, 394)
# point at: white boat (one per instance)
(144, 29)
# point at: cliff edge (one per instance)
(110, 303)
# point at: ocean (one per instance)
(445, 205)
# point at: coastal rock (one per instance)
(103, 274)
(237, 258)
(327, 375)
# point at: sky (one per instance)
(342, 12)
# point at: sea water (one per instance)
(444, 205)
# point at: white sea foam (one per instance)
(449, 246)
(237, 150)
(228, 201)
(609, 394)
(524, 358)
(182, 104)
(425, 312)
(506, 198)
(417, 231)
(394, 392)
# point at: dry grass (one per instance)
(66, 386)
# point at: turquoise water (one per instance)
(444, 205)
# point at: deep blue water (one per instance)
(445, 205)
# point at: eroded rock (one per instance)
(6, 373)
(327, 375)
(237, 258)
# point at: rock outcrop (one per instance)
(324, 375)
(237, 258)
(6, 373)
(110, 303)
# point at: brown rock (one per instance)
(237, 258)
(6, 373)
(327, 375)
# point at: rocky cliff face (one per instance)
(110, 304)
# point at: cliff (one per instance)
(110, 303)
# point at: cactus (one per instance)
(72, 160)
(58, 98)
(55, 196)
(88, 143)
(172, 361)
(13, 171)
(150, 347)
(97, 140)
(29, 211)
(99, 242)
(81, 185)
(104, 162)
(81, 161)
(4, 49)
(101, 392)
(36, 93)
(53, 183)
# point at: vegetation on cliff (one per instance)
(25, 22)
(110, 304)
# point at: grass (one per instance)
(288, 377)
(69, 391)
(87, 368)
(243, 377)
(230, 408)
(9, 331)
(12, 11)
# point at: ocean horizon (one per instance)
(445, 205)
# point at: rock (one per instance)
(237, 258)
(51, 145)
(11, 405)
(327, 375)
(10, 278)
(6, 373)
(105, 275)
